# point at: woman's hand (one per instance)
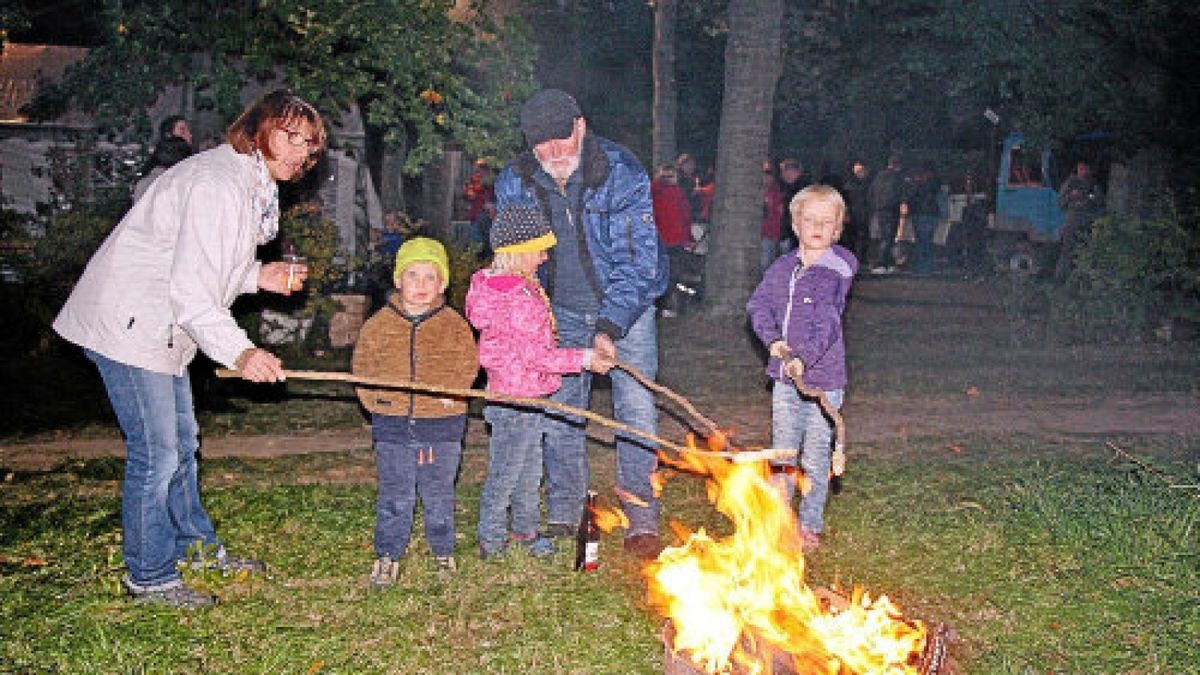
(282, 277)
(260, 365)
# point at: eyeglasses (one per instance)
(297, 139)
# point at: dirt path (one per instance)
(869, 420)
(716, 366)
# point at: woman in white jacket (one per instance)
(158, 288)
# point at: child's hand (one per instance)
(838, 462)
(794, 369)
(779, 350)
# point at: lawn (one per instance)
(1044, 554)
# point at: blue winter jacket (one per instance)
(628, 265)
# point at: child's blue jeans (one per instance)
(408, 466)
(797, 422)
(514, 476)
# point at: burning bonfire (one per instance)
(740, 604)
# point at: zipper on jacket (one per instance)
(170, 335)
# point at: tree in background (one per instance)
(753, 62)
(666, 103)
(419, 76)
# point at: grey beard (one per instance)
(561, 171)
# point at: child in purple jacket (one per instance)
(797, 313)
(518, 346)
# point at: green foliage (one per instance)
(419, 75)
(1134, 275)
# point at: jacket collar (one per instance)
(593, 164)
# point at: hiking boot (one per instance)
(559, 531)
(172, 593)
(645, 546)
(384, 573)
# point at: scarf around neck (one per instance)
(264, 195)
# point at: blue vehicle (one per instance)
(1026, 201)
(1027, 220)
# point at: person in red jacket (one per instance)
(673, 218)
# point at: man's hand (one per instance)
(601, 363)
(603, 344)
(794, 369)
(260, 365)
(282, 277)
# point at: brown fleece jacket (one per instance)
(436, 348)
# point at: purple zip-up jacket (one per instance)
(517, 346)
(803, 307)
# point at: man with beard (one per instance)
(603, 278)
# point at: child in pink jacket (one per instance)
(518, 347)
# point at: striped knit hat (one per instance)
(521, 228)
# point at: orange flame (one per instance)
(608, 519)
(733, 600)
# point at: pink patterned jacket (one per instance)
(517, 345)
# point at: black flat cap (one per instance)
(549, 115)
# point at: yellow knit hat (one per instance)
(422, 249)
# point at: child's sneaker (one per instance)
(384, 572)
(809, 540)
(491, 551)
(538, 546)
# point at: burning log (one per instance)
(740, 605)
(934, 660)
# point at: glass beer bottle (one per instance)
(587, 538)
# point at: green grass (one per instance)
(1044, 558)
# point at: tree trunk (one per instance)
(665, 92)
(753, 62)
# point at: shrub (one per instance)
(1132, 276)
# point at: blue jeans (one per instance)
(567, 473)
(161, 513)
(514, 475)
(406, 466)
(925, 225)
(768, 252)
(798, 423)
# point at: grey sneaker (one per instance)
(172, 593)
(384, 572)
(446, 563)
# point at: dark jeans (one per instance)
(408, 466)
(889, 222)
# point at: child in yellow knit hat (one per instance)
(418, 437)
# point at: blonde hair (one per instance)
(509, 262)
(817, 193)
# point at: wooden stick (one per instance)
(350, 378)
